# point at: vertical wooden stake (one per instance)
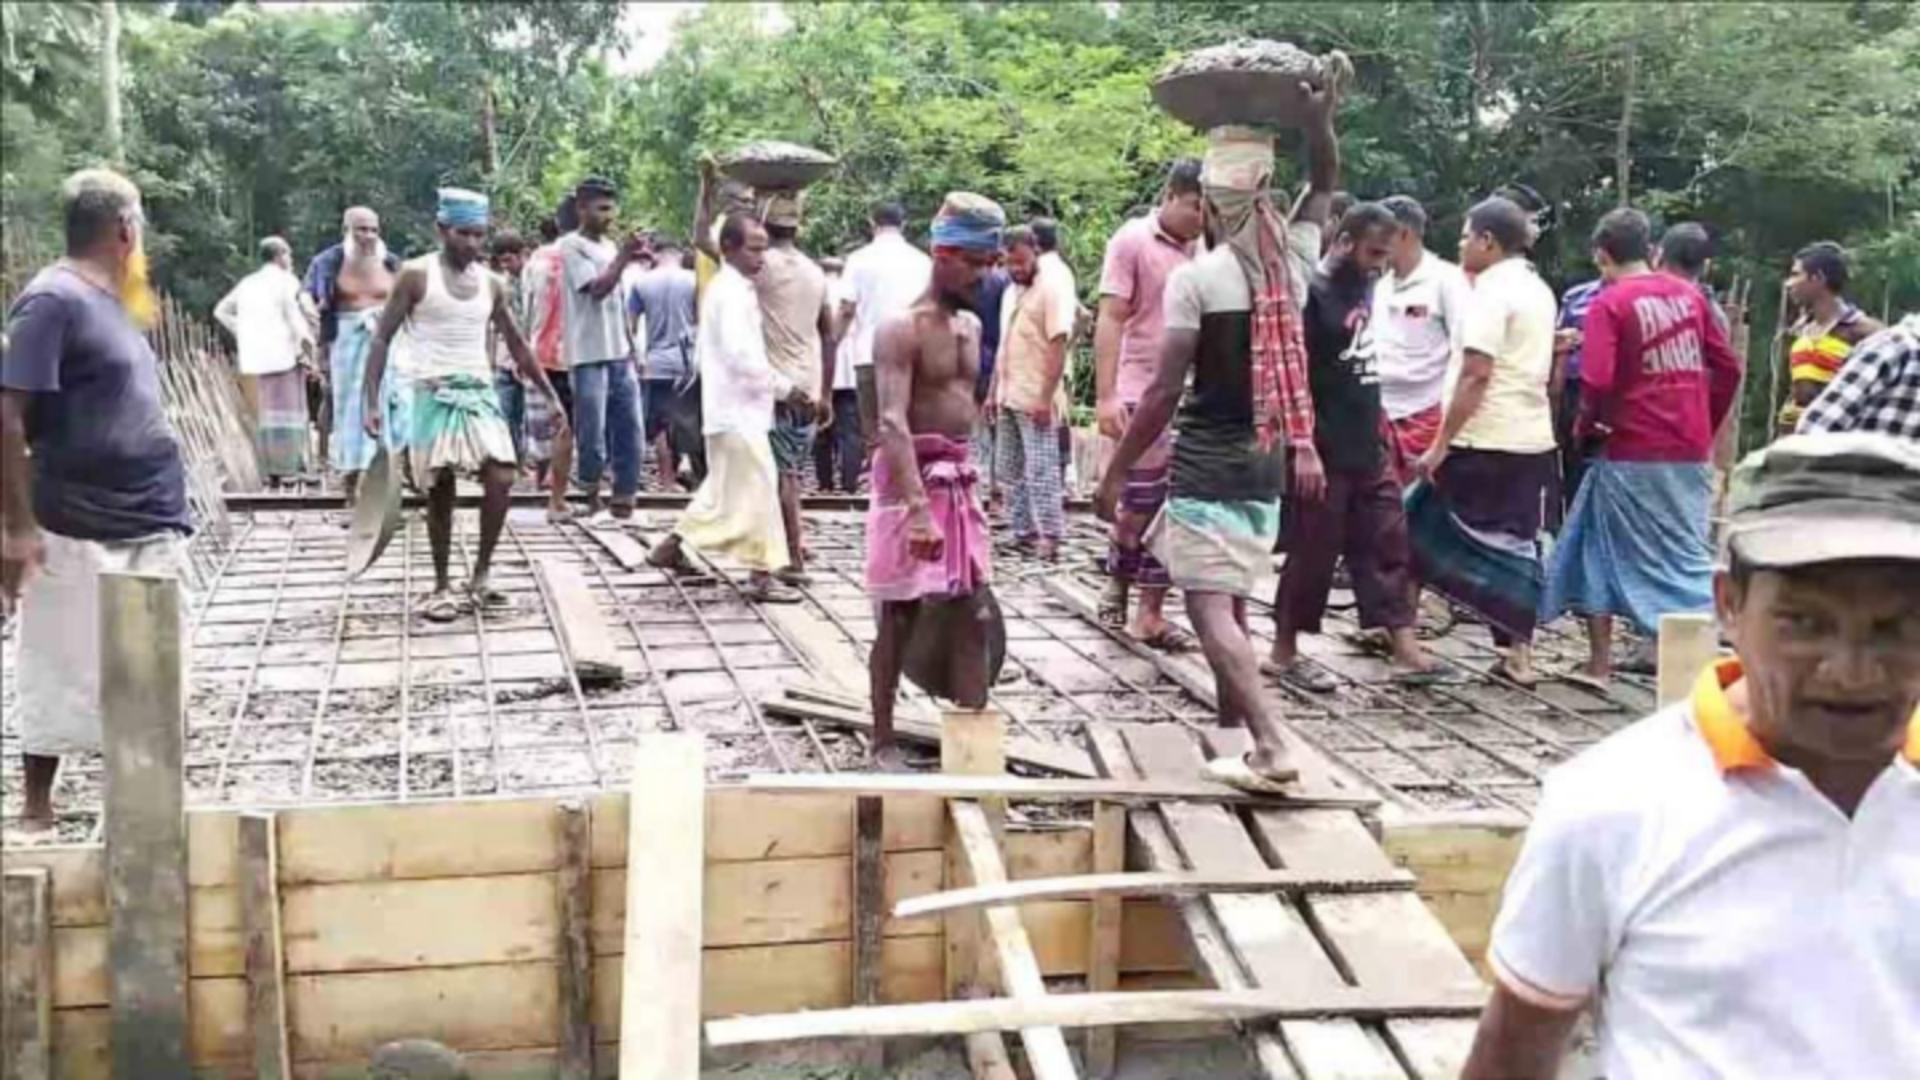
(146, 827)
(869, 914)
(26, 977)
(973, 743)
(574, 886)
(1688, 643)
(1103, 946)
(666, 855)
(266, 967)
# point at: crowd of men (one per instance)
(1298, 376)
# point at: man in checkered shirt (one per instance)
(1877, 390)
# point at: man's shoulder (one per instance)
(54, 288)
(1636, 772)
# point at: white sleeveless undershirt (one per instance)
(449, 335)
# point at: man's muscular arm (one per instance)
(895, 348)
(1157, 406)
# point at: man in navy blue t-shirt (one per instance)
(103, 490)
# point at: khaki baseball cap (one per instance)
(1822, 498)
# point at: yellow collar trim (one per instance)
(1725, 730)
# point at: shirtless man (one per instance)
(349, 283)
(448, 300)
(927, 544)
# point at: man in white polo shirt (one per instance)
(1732, 883)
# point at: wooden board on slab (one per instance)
(1037, 753)
(584, 634)
(1115, 886)
(26, 973)
(949, 786)
(666, 820)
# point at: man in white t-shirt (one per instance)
(885, 278)
(1419, 325)
(837, 448)
(1731, 883)
(274, 349)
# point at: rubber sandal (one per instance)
(440, 608)
(793, 577)
(1111, 616)
(1583, 680)
(1500, 672)
(1301, 675)
(1438, 675)
(1171, 640)
(765, 592)
(1369, 643)
(1236, 773)
(489, 598)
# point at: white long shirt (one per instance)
(263, 314)
(738, 386)
(886, 276)
(1419, 322)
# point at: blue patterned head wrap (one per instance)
(459, 207)
(969, 222)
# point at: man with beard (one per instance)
(1360, 516)
(104, 490)
(1233, 324)
(447, 301)
(349, 283)
(736, 512)
(1126, 352)
(1027, 397)
(927, 544)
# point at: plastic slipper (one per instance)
(1171, 640)
(767, 593)
(1302, 675)
(1433, 676)
(490, 598)
(1502, 673)
(793, 577)
(1111, 616)
(1235, 772)
(440, 608)
(1583, 680)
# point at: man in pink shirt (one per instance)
(1126, 356)
(1657, 378)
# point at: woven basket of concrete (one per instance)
(777, 166)
(1252, 83)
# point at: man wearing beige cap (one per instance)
(1731, 882)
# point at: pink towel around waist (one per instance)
(949, 477)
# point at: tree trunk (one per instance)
(489, 138)
(110, 80)
(1622, 136)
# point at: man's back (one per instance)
(793, 294)
(1512, 322)
(886, 277)
(665, 295)
(266, 321)
(1649, 358)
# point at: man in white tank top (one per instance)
(446, 301)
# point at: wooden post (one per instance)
(26, 995)
(972, 742)
(869, 914)
(266, 966)
(141, 695)
(574, 885)
(1688, 643)
(1103, 945)
(666, 849)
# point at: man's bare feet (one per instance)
(1516, 666)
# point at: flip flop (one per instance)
(1583, 680)
(440, 608)
(765, 592)
(1369, 643)
(1301, 675)
(1236, 772)
(793, 577)
(1111, 616)
(489, 598)
(1438, 675)
(1501, 673)
(1170, 640)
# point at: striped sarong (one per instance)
(1638, 543)
(457, 425)
(281, 426)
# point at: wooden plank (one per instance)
(617, 542)
(79, 874)
(745, 827)
(971, 743)
(324, 845)
(344, 1017)
(266, 967)
(575, 889)
(1112, 888)
(141, 699)
(1688, 642)
(1046, 1047)
(907, 727)
(869, 914)
(1079, 1011)
(660, 1017)
(391, 925)
(26, 973)
(1157, 850)
(1104, 929)
(785, 978)
(584, 634)
(949, 786)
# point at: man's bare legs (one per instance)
(36, 814)
(559, 472)
(1599, 666)
(883, 666)
(441, 606)
(796, 572)
(1220, 622)
(496, 479)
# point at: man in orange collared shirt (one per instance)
(1731, 883)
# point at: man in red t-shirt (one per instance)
(1657, 377)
